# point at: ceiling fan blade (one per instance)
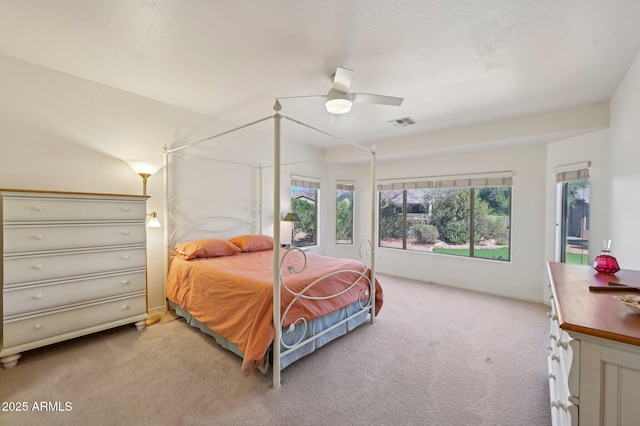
(305, 96)
(376, 99)
(342, 79)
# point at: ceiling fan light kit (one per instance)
(338, 103)
(339, 99)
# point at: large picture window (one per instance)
(344, 212)
(304, 202)
(465, 217)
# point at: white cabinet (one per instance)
(563, 362)
(72, 264)
(594, 349)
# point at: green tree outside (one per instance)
(344, 218)
(304, 230)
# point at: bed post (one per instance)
(373, 234)
(276, 246)
(260, 198)
(165, 161)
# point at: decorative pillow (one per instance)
(248, 243)
(210, 247)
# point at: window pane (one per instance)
(451, 214)
(421, 233)
(575, 222)
(390, 219)
(344, 216)
(439, 220)
(304, 203)
(492, 206)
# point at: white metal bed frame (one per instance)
(277, 259)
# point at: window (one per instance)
(344, 212)
(435, 215)
(573, 192)
(304, 202)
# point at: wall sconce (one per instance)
(153, 222)
(144, 168)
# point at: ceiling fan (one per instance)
(339, 99)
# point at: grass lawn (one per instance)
(577, 259)
(499, 253)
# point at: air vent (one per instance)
(402, 122)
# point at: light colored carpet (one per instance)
(436, 356)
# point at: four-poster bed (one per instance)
(289, 302)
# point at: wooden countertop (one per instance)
(594, 313)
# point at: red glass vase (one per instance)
(605, 263)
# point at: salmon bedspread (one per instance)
(233, 295)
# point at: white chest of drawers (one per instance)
(594, 349)
(72, 264)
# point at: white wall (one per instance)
(592, 148)
(360, 174)
(519, 278)
(625, 169)
(532, 147)
(63, 133)
(59, 132)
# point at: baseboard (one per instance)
(157, 310)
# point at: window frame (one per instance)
(471, 182)
(565, 175)
(346, 187)
(305, 184)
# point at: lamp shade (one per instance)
(144, 167)
(154, 222)
(291, 217)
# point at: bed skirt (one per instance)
(291, 336)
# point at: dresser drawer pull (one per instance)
(552, 376)
(126, 282)
(37, 326)
(38, 208)
(126, 233)
(37, 296)
(125, 307)
(560, 404)
(555, 357)
(125, 209)
(125, 257)
(37, 266)
(37, 237)
(553, 336)
(561, 344)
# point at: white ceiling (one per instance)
(455, 62)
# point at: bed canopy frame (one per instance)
(277, 279)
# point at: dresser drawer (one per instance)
(25, 269)
(56, 323)
(22, 300)
(24, 238)
(42, 209)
